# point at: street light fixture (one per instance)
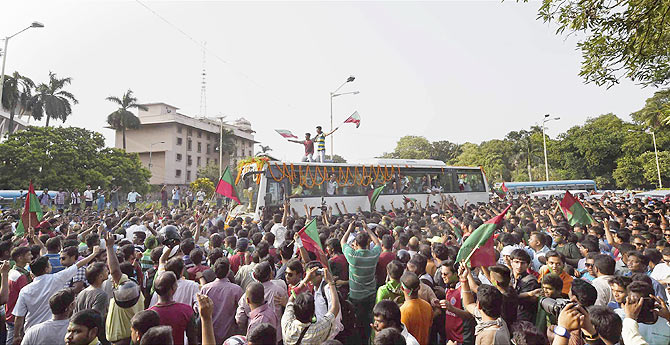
(151, 150)
(332, 95)
(658, 167)
(4, 53)
(544, 140)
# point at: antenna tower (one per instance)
(203, 83)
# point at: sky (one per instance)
(462, 71)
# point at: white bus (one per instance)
(267, 184)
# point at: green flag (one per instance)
(574, 211)
(32, 212)
(373, 195)
(478, 249)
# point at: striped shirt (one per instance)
(320, 140)
(362, 267)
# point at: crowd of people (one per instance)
(182, 275)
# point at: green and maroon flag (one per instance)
(309, 235)
(478, 249)
(373, 195)
(32, 212)
(574, 211)
(226, 186)
(502, 191)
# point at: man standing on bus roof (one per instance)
(320, 140)
(309, 147)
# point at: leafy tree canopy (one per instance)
(67, 158)
(621, 38)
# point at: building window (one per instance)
(208, 136)
(178, 141)
(189, 144)
(189, 160)
(216, 161)
(209, 148)
(199, 134)
(250, 153)
(177, 173)
(199, 147)
(207, 161)
(178, 129)
(188, 175)
(189, 132)
(198, 160)
(178, 157)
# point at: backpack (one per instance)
(348, 313)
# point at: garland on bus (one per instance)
(344, 176)
(251, 164)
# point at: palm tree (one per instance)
(51, 100)
(122, 118)
(16, 95)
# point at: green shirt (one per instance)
(392, 291)
(362, 266)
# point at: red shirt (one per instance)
(176, 315)
(384, 259)
(235, 261)
(340, 262)
(453, 325)
(193, 270)
(17, 281)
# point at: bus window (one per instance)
(447, 182)
(470, 181)
(247, 191)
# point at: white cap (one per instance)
(434, 215)
(507, 250)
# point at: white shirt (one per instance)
(603, 289)
(201, 195)
(661, 272)
(331, 187)
(321, 306)
(132, 196)
(48, 332)
(33, 301)
(186, 293)
(280, 234)
(409, 338)
(88, 195)
(135, 228)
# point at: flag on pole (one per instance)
(286, 133)
(477, 249)
(373, 195)
(504, 188)
(32, 212)
(406, 199)
(456, 229)
(309, 236)
(226, 187)
(502, 191)
(574, 211)
(354, 118)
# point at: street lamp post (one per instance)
(4, 53)
(152, 150)
(544, 141)
(332, 95)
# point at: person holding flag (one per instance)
(309, 147)
(320, 140)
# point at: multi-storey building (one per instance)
(174, 146)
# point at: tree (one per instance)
(629, 173)
(68, 158)
(622, 38)
(204, 184)
(445, 151)
(648, 162)
(527, 147)
(338, 159)
(209, 171)
(122, 119)
(411, 147)
(51, 100)
(16, 96)
(656, 111)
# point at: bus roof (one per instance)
(547, 183)
(412, 163)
